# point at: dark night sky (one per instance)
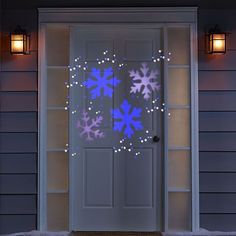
(204, 4)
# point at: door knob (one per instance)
(155, 139)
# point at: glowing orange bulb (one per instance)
(218, 43)
(17, 46)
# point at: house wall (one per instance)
(217, 121)
(18, 116)
(18, 128)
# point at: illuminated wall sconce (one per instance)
(20, 42)
(216, 41)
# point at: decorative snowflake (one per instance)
(101, 82)
(126, 119)
(145, 81)
(89, 127)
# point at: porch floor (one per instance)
(201, 232)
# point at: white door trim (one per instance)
(148, 16)
(133, 14)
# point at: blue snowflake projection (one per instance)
(101, 82)
(126, 119)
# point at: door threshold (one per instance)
(114, 233)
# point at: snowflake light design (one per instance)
(101, 82)
(145, 81)
(89, 127)
(126, 119)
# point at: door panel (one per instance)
(98, 178)
(139, 179)
(116, 175)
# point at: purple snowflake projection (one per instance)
(89, 127)
(101, 82)
(145, 81)
(126, 119)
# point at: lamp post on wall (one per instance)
(19, 42)
(216, 41)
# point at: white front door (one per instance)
(116, 169)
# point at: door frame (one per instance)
(167, 16)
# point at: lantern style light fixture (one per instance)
(19, 42)
(216, 41)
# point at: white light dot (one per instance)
(159, 51)
(147, 131)
(129, 150)
(66, 108)
(119, 150)
(145, 140)
(141, 141)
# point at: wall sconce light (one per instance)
(20, 42)
(216, 41)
